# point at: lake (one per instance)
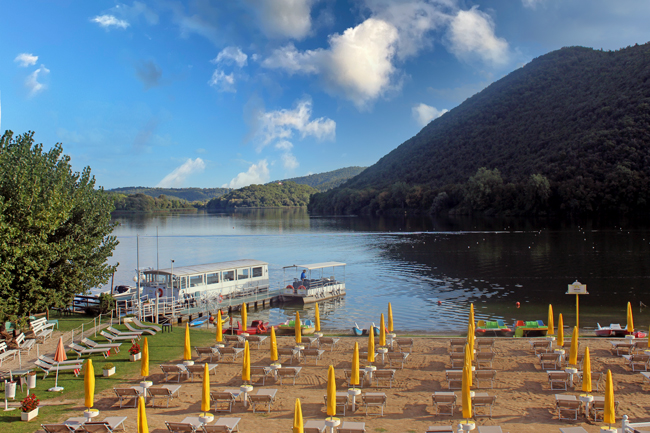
(414, 262)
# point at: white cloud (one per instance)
(289, 161)
(357, 66)
(280, 125)
(424, 113)
(176, 178)
(284, 145)
(25, 59)
(471, 34)
(222, 82)
(230, 55)
(32, 83)
(532, 4)
(108, 21)
(256, 174)
(284, 18)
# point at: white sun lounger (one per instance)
(79, 350)
(109, 425)
(140, 331)
(47, 368)
(94, 345)
(139, 324)
(112, 338)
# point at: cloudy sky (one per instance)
(213, 93)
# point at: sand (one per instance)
(524, 403)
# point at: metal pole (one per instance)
(577, 313)
(137, 248)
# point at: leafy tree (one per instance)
(54, 228)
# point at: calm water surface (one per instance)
(414, 263)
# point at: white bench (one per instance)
(5, 352)
(24, 345)
(42, 329)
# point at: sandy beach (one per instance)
(525, 402)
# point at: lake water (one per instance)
(414, 263)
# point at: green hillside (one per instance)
(567, 133)
(327, 180)
(189, 194)
(281, 194)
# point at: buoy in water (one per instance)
(211, 319)
(518, 304)
(439, 302)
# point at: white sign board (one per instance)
(577, 289)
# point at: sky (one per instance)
(225, 93)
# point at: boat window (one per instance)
(212, 278)
(229, 276)
(196, 280)
(183, 282)
(242, 274)
(159, 278)
(257, 272)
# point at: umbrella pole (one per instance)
(56, 381)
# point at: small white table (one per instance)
(274, 369)
(571, 372)
(383, 351)
(369, 370)
(245, 389)
(331, 423)
(353, 392)
(586, 399)
(90, 414)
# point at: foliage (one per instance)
(144, 203)
(29, 403)
(134, 349)
(186, 194)
(568, 133)
(327, 180)
(270, 195)
(54, 228)
(108, 366)
(106, 303)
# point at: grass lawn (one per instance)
(163, 348)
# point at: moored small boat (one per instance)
(257, 327)
(530, 328)
(289, 328)
(487, 327)
(356, 331)
(615, 330)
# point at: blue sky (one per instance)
(228, 93)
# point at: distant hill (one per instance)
(282, 194)
(189, 194)
(567, 133)
(327, 180)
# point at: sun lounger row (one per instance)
(568, 407)
(369, 399)
(445, 403)
(188, 371)
(166, 392)
(52, 366)
(455, 378)
(81, 425)
(194, 425)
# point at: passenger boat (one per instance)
(487, 327)
(615, 330)
(289, 328)
(315, 287)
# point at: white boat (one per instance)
(315, 286)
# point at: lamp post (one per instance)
(578, 289)
(172, 295)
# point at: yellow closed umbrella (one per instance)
(382, 332)
(219, 328)
(354, 377)
(317, 319)
(467, 362)
(246, 364)
(470, 340)
(630, 319)
(471, 314)
(371, 345)
(143, 427)
(144, 361)
(390, 318)
(187, 352)
(244, 317)
(89, 384)
(609, 416)
(550, 320)
(466, 399)
(298, 330)
(274, 345)
(560, 331)
(331, 392)
(586, 372)
(297, 418)
(573, 354)
(205, 391)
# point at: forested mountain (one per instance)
(567, 133)
(189, 194)
(145, 203)
(327, 180)
(271, 195)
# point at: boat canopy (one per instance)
(316, 265)
(180, 271)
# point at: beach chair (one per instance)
(597, 407)
(163, 391)
(169, 369)
(199, 369)
(180, 427)
(46, 359)
(263, 397)
(483, 402)
(57, 428)
(440, 429)
(313, 426)
(289, 351)
(222, 399)
(329, 341)
(485, 343)
(484, 359)
(5, 352)
(352, 427)
(348, 376)
(80, 350)
(139, 331)
(223, 425)
(559, 379)
(397, 357)
(457, 359)
(485, 376)
(640, 346)
(490, 429)
(342, 401)
(234, 351)
(209, 352)
(127, 393)
(550, 361)
(638, 362)
(540, 346)
(375, 399)
(404, 344)
(567, 409)
(444, 403)
(288, 372)
(258, 339)
(311, 341)
(260, 371)
(139, 324)
(48, 368)
(113, 338)
(457, 342)
(388, 375)
(456, 349)
(109, 425)
(233, 339)
(312, 353)
(94, 345)
(114, 331)
(454, 377)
